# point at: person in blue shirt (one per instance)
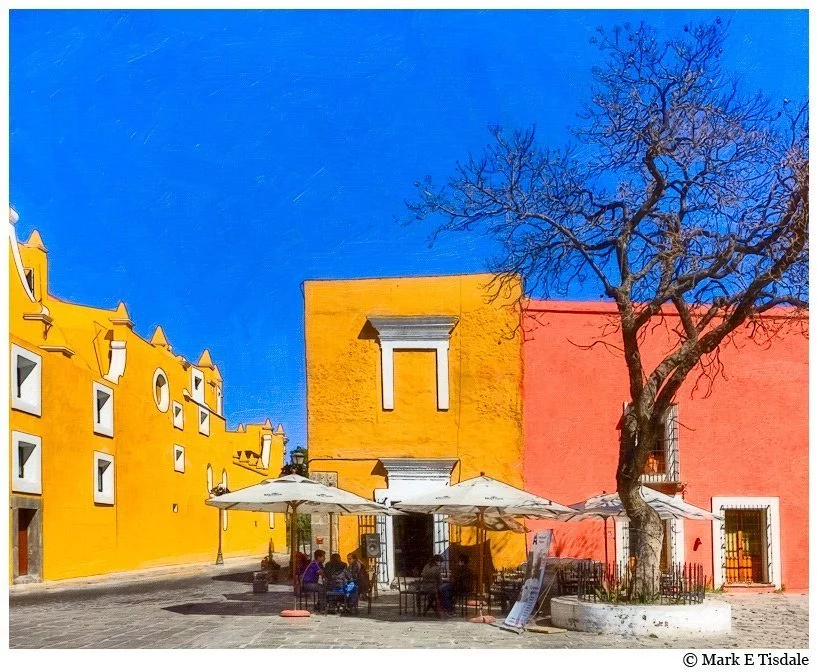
(312, 581)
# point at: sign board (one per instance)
(329, 478)
(521, 611)
(324, 526)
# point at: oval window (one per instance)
(161, 390)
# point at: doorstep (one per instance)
(749, 588)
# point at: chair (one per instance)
(304, 598)
(368, 593)
(335, 592)
(408, 591)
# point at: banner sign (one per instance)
(521, 611)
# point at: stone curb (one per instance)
(140, 576)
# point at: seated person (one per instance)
(301, 562)
(313, 577)
(431, 583)
(334, 575)
(356, 581)
(462, 577)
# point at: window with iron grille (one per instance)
(746, 545)
(662, 465)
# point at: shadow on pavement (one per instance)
(238, 577)
(271, 603)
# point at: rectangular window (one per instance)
(197, 382)
(662, 465)
(204, 422)
(30, 278)
(26, 456)
(103, 410)
(103, 478)
(178, 415)
(179, 459)
(219, 401)
(26, 380)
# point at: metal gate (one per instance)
(371, 525)
(441, 539)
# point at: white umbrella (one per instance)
(292, 494)
(483, 497)
(608, 505)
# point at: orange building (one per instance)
(417, 382)
(412, 383)
(116, 441)
(738, 447)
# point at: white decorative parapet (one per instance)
(712, 617)
(422, 332)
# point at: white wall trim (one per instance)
(104, 418)
(107, 495)
(32, 479)
(18, 262)
(118, 357)
(163, 402)
(718, 505)
(178, 418)
(422, 332)
(179, 458)
(407, 477)
(266, 444)
(197, 391)
(30, 401)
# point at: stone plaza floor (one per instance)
(214, 607)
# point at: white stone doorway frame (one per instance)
(409, 477)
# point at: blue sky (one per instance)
(201, 165)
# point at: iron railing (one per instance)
(681, 583)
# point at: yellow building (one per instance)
(413, 383)
(115, 442)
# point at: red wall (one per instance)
(748, 438)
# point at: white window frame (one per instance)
(31, 481)
(104, 418)
(675, 527)
(163, 402)
(106, 496)
(219, 401)
(197, 392)
(272, 521)
(179, 458)
(30, 399)
(178, 418)
(422, 332)
(718, 504)
(204, 423)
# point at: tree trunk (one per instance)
(644, 521)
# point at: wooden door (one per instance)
(744, 545)
(24, 518)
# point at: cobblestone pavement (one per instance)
(215, 608)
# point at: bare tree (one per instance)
(678, 192)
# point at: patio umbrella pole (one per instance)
(605, 532)
(480, 533)
(293, 542)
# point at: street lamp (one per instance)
(220, 489)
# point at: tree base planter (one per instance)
(661, 620)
